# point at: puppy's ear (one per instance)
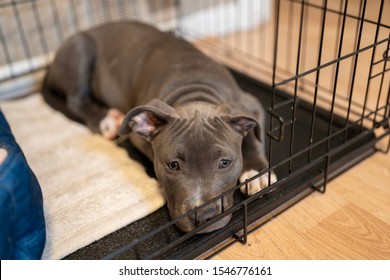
(241, 119)
(147, 120)
(243, 124)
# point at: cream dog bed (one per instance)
(90, 186)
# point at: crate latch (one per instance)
(280, 126)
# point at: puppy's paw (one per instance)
(111, 123)
(257, 184)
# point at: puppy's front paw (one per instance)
(257, 184)
(109, 126)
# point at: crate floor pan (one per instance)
(302, 168)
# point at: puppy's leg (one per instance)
(254, 162)
(98, 118)
(70, 79)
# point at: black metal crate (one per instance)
(322, 116)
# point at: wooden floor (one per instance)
(350, 221)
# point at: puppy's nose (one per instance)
(205, 214)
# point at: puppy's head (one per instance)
(197, 155)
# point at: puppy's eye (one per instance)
(174, 165)
(224, 163)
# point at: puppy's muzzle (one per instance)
(208, 212)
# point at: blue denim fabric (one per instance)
(22, 224)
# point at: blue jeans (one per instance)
(22, 224)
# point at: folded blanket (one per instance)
(90, 186)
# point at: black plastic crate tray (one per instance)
(305, 177)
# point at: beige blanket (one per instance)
(90, 186)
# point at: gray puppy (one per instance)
(185, 112)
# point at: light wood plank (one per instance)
(350, 221)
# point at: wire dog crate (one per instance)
(320, 67)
